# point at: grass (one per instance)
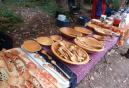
(9, 19)
(23, 3)
(10, 15)
(48, 6)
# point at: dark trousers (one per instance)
(71, 3)
(127, 2)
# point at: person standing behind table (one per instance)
(109, 9)
(71, 3)
(123, 3)
(98, 8)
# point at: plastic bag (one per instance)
(127, 42)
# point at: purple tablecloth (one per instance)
(82, 70)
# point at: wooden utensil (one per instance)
(54, 63)
(55, 46)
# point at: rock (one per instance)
(110, 69)
(92, 78)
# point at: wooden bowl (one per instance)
(46, 41)
(70, 32)
(56, 38)
(31, 46)
(90, 44)
(83, 30)
(55, 46)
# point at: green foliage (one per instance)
(23, 3)
(116, 4)
(10, 15)
(50, 6)
(8, 19)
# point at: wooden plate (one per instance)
(44, 41)
(103, 31)
(83, 30)
(56, 38)
(31, 46)
(89, 24)
(91, 45)
(70, 32)
(99, 37)
(55, 46)
(95, 20)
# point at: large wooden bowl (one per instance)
(70, 32)
(83, 30)
(91, 45)
(55, 46)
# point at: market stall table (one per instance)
(73, 73)
(78, 72)
(82, 70)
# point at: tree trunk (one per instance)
(63, 4)
(1, 1)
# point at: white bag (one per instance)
(127, 41)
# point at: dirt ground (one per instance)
(111, 72)
(36, 23)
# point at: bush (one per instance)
(10, 15)
(50, 6)
(8, 19)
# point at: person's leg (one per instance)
(71, 3)
(94, 7)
